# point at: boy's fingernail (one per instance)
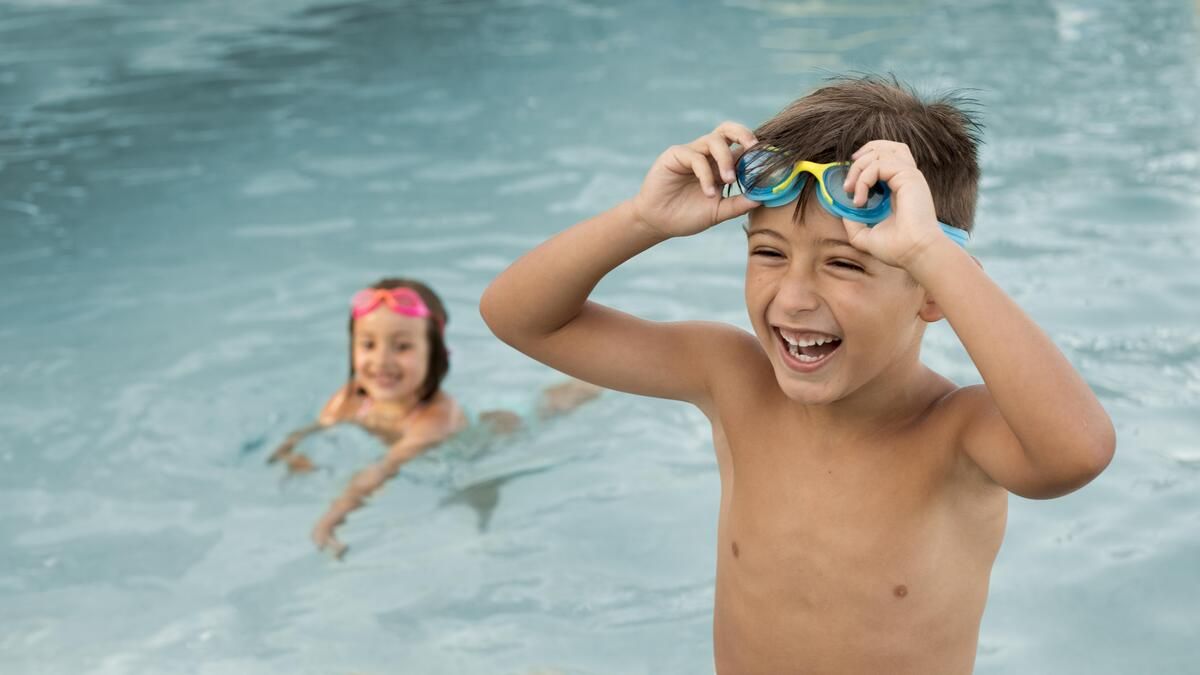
(728, 175)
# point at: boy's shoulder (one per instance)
(739, 372)
(729, 351)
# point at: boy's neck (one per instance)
(893, 399)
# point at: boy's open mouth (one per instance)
(808, 347)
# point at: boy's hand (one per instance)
(912, 226)
(681, 194)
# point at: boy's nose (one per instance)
(797, 298)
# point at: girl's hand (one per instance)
(284, 451)
(323, 537)
(681, 194)
(299, 463)
(912, 226)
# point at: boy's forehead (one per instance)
(813, 225)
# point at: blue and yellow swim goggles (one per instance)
(783, 185)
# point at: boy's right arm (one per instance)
(539, 305)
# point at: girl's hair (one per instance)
(439, 356)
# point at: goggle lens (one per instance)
(835, 177)
(751, 168)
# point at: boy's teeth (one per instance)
(807, 342)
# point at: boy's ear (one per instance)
(930, 312)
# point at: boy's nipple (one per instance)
(900, 591)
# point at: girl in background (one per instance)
(398, 359)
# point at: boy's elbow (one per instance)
(491, 312)
(1078, 465)
(509, 321)
(1098, 452)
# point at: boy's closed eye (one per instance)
(848, 265)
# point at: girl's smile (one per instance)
(391, 355)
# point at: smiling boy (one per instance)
(863, 496)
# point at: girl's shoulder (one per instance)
(443, 413)
(342, 406)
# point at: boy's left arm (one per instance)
(1035, 427)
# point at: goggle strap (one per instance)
(957, 235)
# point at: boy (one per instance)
(863, 496)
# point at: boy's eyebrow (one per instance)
(826, 241)
(823, 241)
(762, 230)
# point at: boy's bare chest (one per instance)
(866, 545)
(857, 504)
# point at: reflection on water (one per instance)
(190, 191)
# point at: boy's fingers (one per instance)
(869, 146)
(721, 154)
(856, 167)
(881, 147)
(704, 173)
(868, 177)
(737, 133)
(688, 159)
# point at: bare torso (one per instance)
(441, 412)
(846, 554)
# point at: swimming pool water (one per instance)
(189, 192)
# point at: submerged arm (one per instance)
(335, 411)
(295, 461)
(417, 440)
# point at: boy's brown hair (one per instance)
(832, 122)
(439, 356)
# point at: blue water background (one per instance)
(189, 193)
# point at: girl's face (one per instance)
(391, 355)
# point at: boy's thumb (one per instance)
(853, 230)
(732, 207)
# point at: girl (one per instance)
(398, 358)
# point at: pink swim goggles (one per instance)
(403, 301)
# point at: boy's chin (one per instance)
(806, 393)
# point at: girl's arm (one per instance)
(297, 462)
(540, 304)
(419, 437)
